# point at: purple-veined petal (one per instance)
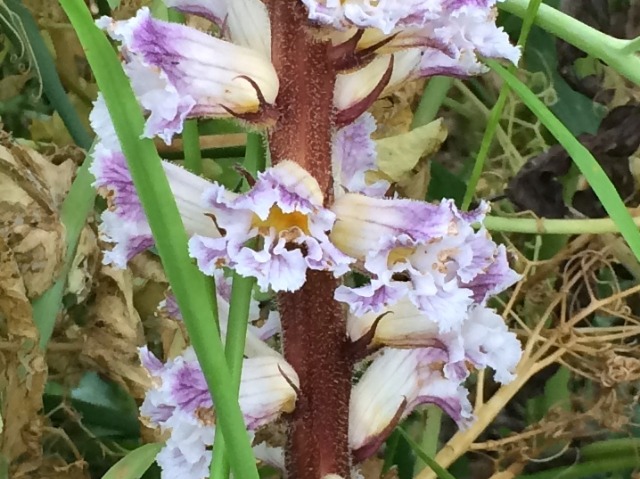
(396, 382)
(179, 72)
(354, 153)
(267, 389)
(213, 10)
(124, 224)
(363, 224)
(284, 209)
(372, 297)
(497, 277)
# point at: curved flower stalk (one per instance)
(180, 403)
(308, 70)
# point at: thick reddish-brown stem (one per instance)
(313, 323)
(315, 345)
(305, 97)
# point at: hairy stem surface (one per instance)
(313, 323)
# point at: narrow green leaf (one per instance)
(51, 83)
(588, 165)
(75, 209)
(135, 463)
(193, 291)
(496, 112)
(440, 471)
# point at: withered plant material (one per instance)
(394, 112)
(31, 192)
(601, 84)
(23, 371)
(84, 266)
(537, 186)
(115, 331)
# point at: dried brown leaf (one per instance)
(22, 366)
(84, 266)
(115, 331)
(31, 191)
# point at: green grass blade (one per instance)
(51, 84)
(135, 463)
(585, 161)
(192, 289)
(440, 471)
(75, 209)
(238, 321)
(496, 112)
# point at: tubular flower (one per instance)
(178, 72)
(428, 252)
(124, 222)
(446, 35)
(482, 339)
(284, 211)
(179, 402)
(396, 382)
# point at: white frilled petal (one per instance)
(384, 15)
(179, 72)
(213, 10)
(482, 339)
(431, 252)
(179, 402)
(187, 453)
(396, 382)
(284, 212)
(488, 342)
(249, 25)
(102, 125)
(354, 154)
(451, 40)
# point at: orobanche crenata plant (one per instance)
(382, 301)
